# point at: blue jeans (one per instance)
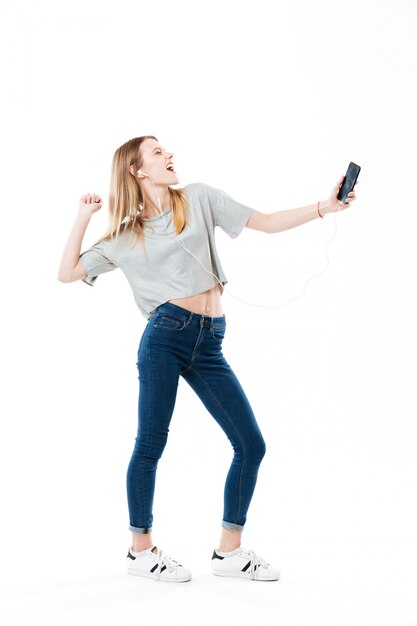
(177, 342)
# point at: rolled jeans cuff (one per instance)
(232, 526)
(141, 531)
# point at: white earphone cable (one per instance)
(178, 239)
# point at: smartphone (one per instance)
(349, 181)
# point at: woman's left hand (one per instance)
(333, 204)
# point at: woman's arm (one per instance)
(283, 220)
(70, 269)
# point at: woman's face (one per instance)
(155, 161)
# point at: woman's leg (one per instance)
(158, 373)
(212, 378)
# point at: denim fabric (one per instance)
(177, 342)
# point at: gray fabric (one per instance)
(164, 270)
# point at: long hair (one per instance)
(125, 196)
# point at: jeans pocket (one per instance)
(169, 321)
(218, 332)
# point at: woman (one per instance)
(163, 241)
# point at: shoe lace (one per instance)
(164, 560)
(256, 562)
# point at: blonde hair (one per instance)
(125, 195)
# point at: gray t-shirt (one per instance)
(165, 271)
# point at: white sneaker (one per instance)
(243, 563)
(156, 564)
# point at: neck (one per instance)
(151, 205)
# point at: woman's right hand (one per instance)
(90, 203)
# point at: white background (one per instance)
(268, 101)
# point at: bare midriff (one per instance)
(206, 303)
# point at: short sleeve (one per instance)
(230, 215)
(97, 260)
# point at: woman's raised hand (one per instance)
(90, 203)
(337, 205)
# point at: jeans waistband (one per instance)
(187, 315)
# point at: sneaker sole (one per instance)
(165, 580)
(243, 575)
